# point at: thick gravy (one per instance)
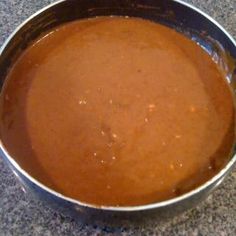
(115, 111)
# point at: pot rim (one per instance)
(214, 180)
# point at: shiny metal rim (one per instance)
(152, 206)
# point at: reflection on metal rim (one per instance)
(216, 179)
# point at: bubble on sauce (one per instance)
(82, 102)
(178, 136)
(114, 135)
(192, 108)
(111, 101)
(113, 158)
(146, 120)
(151, 107)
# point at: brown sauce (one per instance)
(116, 111)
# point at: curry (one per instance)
(117, 111)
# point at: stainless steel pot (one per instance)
(175, 14)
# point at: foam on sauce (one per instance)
(117, 111)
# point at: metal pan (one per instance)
(176, 14)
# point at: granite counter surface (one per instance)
(21, 214)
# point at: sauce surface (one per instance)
(116, 111)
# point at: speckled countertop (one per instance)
(21, 214)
